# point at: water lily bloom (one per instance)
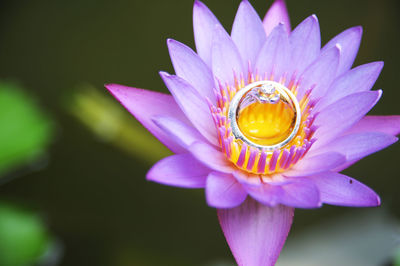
(255, 182)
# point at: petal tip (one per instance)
(149, 175)
(198, 3)
(164, 74)
(171, 41)
(107, 85)
(314, 17)
(378, 200)
(379, 94)
(359, 29)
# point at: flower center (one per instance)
(265, 122)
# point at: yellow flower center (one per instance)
(266, 125)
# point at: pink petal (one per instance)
(193, 105)
(274, 55)
(349, 40)
(296, 192)
(276, 14)
(359, 79)
(305, 44)
(358, 145)
(180, 170)
(338, 189)
(386, 124)
(144, 104)
(204, 23)
(320, 74)
(248, 32)
(255, 232)
(226, 59)
(211, 157)
(246, 178)
(182, 134)
(189, 66)
(312, 164)
(224, 191)
(343, 114)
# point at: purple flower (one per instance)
(256, 192)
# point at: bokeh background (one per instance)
(76, 193)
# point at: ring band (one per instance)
(265, 92)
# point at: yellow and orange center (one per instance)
(265, 125)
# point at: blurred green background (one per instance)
(86, 199)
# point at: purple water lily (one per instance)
(255, 192)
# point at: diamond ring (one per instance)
(271, 99)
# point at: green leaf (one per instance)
(23, 236)
(108, 120)
(25, 130)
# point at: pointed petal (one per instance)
(189, 66)
(224, 191)
(180, 170)
(274, 55)
(349, 40)
(338, 189)
(182, 134)
(312, 164)
(320, 74)
(204, 23)
(248, 32)
(343, 114)
(192, 104)
(359, 79)
(144, 104)
(276, 14)
(358, 145)
(211, 157)
(226, 59)
(255, 232)
(386, 124)
(305, 44)
(297, 192)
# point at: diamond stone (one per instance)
(267, 89)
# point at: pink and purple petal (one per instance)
(359, 79)
(226, 59)
(248, 32)
(211, 157)
(180, 170)
(338, 117)
(305, 44)
(224, 191)
(358, 145)
(204, 23)
(312, 164)
(274, 56)
(389, 124)
(256, 233)
(189, 66)
(338, 189)
(276, 14)
(320, 74)
(349, 40)
(145, 104)
(183, 134)
(294, 192)
(192, 104)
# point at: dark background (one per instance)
(94, 196)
